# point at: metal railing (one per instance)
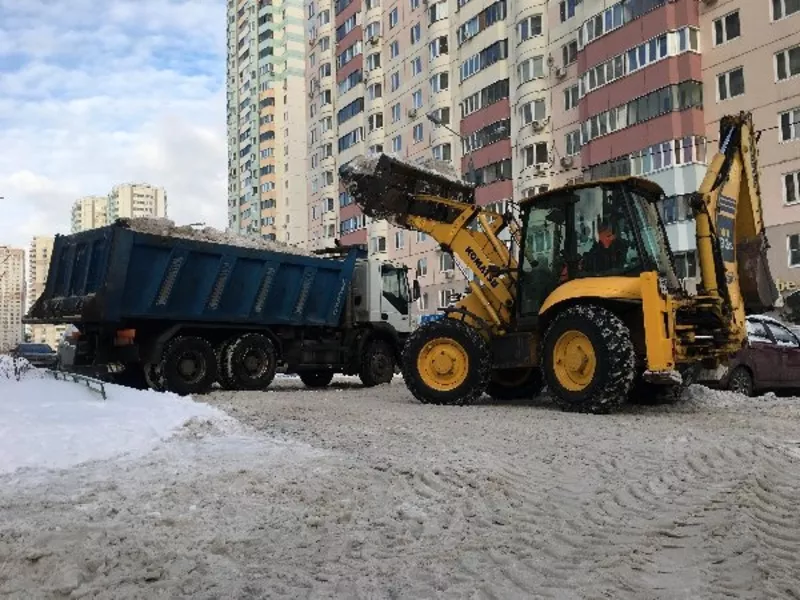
(95, 385)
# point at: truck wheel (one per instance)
(377, 363)
(153, 377)
(588, 359)
(446, 362)
(515, 384)
(223, 376)
(316, 379)
(188, 365)
(251, 362)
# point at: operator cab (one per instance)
(604, 228)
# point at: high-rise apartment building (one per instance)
(126, 200)
(89, 212)
(546, 93)
(39, 255)
(12, 296)
(267, 119)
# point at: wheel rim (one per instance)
(190, 367)
(443, 364)
(574, 361)
(739, 383)
(255, 362)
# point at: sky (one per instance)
(93, 94)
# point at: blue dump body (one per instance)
(113, 274)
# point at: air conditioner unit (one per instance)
(566, 162)
(412, 113)
(373, 40)
(450, 274)
(539, 169)
(560, 72)
(537, 125)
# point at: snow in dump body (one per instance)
(366, 164)
(167, 228)
(51, 424)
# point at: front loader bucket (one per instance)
(385, 187)
(759, 291)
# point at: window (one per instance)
(443, 114)
(793, 247)
(535, 110)
(416, 66)
(394, 49)
(536, 154)
(571, 97)
(399, 239)
(440, 82)
(422, 302)
(422, 237)
(417, 133)
(416, 32)
(345, 28)
(442, 152)
(566, 9)
(422, 267)
(397, 143)
(414, 4)
(484, 59)
(782, 336)
(378, 244)
(375, 121)
(394, 81)
(324, 17)
(494, 92)
(438, 47)
(730, 84)
(349, 54)
(395, 112)
(437, 12)
(446, 262)
(499, 130)
(784, 8)
(727, 28)
(350, 111)
(791, 187)
(349, 140)
(373, 61)
(325, 70)
(529, 27)
(372, 30)
(569, 52)
(531, 68)
(790, 125)
(416, 99)
(787, 63)
(393, 16)
(573, 142)
(375, 91)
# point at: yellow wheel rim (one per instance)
(443, 364)
(574, 361)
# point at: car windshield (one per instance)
(35, 348)
(654, 238)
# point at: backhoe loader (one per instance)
(589, 303)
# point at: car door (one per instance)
(789, 348)
(762, 355)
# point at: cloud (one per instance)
(98, 93)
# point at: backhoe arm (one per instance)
(442, 207)
(731, 239)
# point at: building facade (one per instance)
(39, 255)
(266, 108)
(89, 212)
(541, 94)
(126, 200)
(12, 297)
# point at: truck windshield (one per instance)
(654, 239)
(395, 288)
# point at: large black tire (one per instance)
(515, 384)
(188, 365)
(251, 362)
(741, 381)
(466, 354)
(223, 376)
(377, 363)
(154, 378)
(318, 378)
(598, 375)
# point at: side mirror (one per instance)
(415, 292)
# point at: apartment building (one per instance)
(39, 254)
(751, 61)
(267, 119)
(89, 212)
(12, 297)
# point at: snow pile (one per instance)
(45, 423)
(167, 227)
(16, 369)
(366, 165)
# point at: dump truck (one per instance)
(589, 304)
(181, 314)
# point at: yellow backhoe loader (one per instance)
(589, 301)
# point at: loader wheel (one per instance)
(223, 376)
(515, 384)
(316, 379)
(741, 382)
(188, 366)
(251, 362)
(446, 362)
(377, 363)
(588, 359)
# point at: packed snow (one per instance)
(366, 164)
(51, 424)
(167, 227)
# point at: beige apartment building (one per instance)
(39, 255)
(89, 212)
(12, 297)
(266, 118)
(126, 200)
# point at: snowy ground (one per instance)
(353, 493)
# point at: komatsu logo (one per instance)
(480, 267)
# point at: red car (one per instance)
(769, 362)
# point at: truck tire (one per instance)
(377, 363)
(515, 384)
(188, 365)
(153, 376)
(251, 362)
(588, 359)
(223, 376)
(318, 378)
(446, 362)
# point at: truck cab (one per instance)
(381, 295)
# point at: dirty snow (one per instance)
(349, 492)
(366, 164)
(167, 227)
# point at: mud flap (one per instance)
(759, 291)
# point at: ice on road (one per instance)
(349, 492)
